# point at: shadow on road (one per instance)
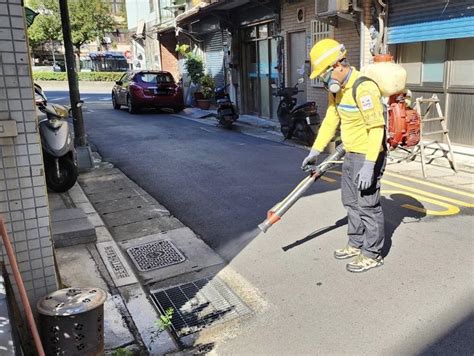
(458, 340)
(396, 212)
(319, 232)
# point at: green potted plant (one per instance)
(208, 85)
(194, 66)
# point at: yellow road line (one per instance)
(428, 194)
(433, 185)
(327, 179)
(449, 209)
(419, 191)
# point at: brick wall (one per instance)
(23, 195)
(169, 60)
(346, 32)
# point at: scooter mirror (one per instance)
(79, 104)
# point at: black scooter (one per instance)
(226, 114)
(301, 122)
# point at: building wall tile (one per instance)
(23, 195)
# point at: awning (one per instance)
(30, 16)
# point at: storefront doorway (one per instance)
(260, 61)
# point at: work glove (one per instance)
(365, 176)
(310, 160)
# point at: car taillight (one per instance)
(135, 89)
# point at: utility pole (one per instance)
(84, 156)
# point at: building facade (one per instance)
(252, 45)
(437, 50)
(301, 29)
(23, 193)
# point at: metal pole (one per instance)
(74, 95)
(54, 57)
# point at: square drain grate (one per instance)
(200, 304)
(154, 255)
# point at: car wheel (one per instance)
(131, 107)
(114, 102)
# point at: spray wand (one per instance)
(276, 213)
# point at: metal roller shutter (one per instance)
(421, 20)
(214, 50)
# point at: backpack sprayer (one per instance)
(277, 212)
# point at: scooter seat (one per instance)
(305, 105)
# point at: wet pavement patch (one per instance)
(200, 304)
(155, 255)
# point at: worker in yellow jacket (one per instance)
(359, 113)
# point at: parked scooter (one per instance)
(301, 122)
(226, 114)
(59, 154)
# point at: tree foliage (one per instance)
(45, 27)
(90, 20)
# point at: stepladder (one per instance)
(430, 111)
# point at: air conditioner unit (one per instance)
(329, 8)
(300, 16)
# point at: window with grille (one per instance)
(319, 31)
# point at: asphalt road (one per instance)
(218, 182)
(221, 184)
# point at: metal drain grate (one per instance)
(200, 304)
(154, 255)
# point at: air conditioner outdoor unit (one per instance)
(329, 8)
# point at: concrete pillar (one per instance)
(23, 194)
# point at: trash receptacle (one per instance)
(72, 321)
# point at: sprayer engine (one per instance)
(403, 123)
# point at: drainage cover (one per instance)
(154, 255)
(199, 304)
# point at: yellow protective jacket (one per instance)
(362, 123)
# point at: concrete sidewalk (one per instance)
(125, 218)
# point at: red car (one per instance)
(147, 89)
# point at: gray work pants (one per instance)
(364, 213)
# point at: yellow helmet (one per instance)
(324, 54)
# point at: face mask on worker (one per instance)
(330, 83)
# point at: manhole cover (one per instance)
(200, 304)
(154, 255)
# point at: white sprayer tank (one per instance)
(389, 76)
